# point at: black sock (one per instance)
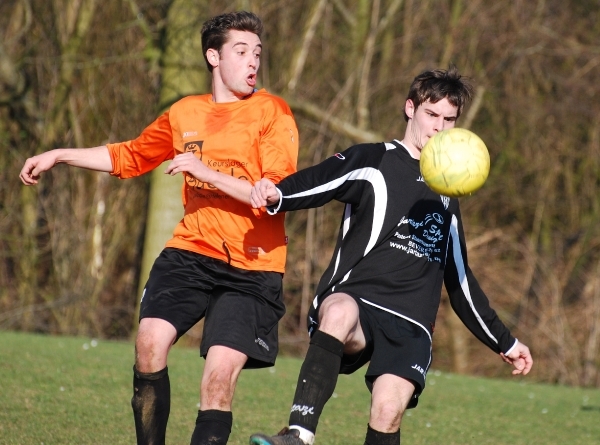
(212, 427)
(317, 380)
(379, 438)
(151, 403)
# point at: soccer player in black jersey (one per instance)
(378, 299)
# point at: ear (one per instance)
(409, 108)
(212, 55)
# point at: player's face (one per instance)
(235, 68)
(426, 120)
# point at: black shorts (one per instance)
(394, 346)
(241, 308)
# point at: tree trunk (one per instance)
(184, 73)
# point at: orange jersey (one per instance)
(249, 139)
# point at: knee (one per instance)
(386, 416)
(151, 351)
(340, 315)
(217, 388)
(147, 356)
(221, 378)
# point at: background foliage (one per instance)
(83, 72)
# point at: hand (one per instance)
(520, 358)
(264, 193)
(189, 163)
(33, 167)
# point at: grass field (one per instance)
(63, 390)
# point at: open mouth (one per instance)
(251, 79)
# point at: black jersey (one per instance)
(398, 240)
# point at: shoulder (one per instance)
(368, 150)
(185, 103)
(270, 103)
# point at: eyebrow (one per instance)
(439, 114)
(246, 44)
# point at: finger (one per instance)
(35, 171)
(267, 191)
(263, 192)
(528, 364)
(172, 168)
(30, 178)
(519, 365)
(27, 179)
(253, 199)
(260, 200)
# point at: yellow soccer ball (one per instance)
(455, 162)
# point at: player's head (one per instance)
(435, 100)
(215, 31)
(435, 85)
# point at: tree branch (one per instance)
(343, 127)
(309, 33)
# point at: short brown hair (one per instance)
(435, 85)
(214, 31)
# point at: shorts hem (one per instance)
(254, 360)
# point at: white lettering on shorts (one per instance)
(419, 369)
(262, 343)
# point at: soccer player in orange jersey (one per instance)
(224, 262)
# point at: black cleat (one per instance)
(285, 437)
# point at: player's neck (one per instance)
(223, 94)
(411, 148)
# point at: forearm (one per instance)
(96, 158)
(236, 188)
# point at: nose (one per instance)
(253, 61)
(439, 124)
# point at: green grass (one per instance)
(63, 390)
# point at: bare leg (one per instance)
(390, 397)
(151, 388)
(221, 371)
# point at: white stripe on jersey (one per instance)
(346, 227)
(347, 214)
(377, 181)
(462, 275)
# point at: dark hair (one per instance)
(215, 30)
(435, 85)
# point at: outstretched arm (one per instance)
(520, 358)
(96, 158)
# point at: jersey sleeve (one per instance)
(339, 177)
(278, 150)
(468, 299)
(143, 154)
